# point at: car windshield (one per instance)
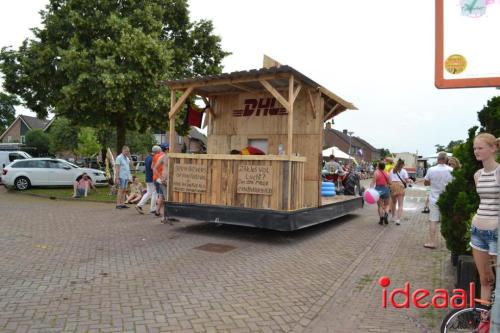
(71, 164)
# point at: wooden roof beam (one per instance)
(276, 94)
(330, 113)
(297, 91)
(242, 87)
(218, 82)
(311, 101)
(179, 103)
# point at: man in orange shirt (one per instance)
(157, 173)
(160, 179)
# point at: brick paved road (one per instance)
(85, 267)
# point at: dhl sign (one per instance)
(260, 107)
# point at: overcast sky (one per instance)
(377, 55)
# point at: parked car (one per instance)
(139, 167)
(22, 174)
(7, 157)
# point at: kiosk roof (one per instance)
(248, 81)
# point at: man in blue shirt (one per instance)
(122, 176)
(151, 190)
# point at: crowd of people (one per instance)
(392, 180)
(129, 189)
(155, 168)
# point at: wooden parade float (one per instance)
(276, 109)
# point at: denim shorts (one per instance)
(159, 188)
(383, 191)
(80, 192)
(123, 183)
(484, 240)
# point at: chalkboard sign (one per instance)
(255, 179)
(190, 178)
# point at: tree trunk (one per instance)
(121, 130)
(103, 156)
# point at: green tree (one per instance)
(384, 153)
(489, 117)
(63, 136)
(140, 143)
(459, 201)
(39, 140)
(99, 63)
(440, 148)
(7, 110)
(87, 142)
(453, 144)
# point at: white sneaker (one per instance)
(397, 222)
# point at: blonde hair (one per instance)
(455, 161)
(489, 139)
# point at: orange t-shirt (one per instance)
(159, 173)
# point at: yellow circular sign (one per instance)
(455, 64)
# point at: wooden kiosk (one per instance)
(277, 109)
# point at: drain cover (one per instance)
(217, 248)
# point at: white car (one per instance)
(139, 166)
(22, 174)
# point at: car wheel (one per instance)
(22, 183)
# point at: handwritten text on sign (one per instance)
(190, 178)
(255, 179)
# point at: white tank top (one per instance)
(488, 189)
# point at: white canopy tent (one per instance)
(335, 151)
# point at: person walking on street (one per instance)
(484, 228)
(164, 188)
(389, 164)
(437, 178)
(399, 181)
(158, 164)
(381, 181)
(122, 176)
(150, 186)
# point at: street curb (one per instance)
(56, 198)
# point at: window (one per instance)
(21, 164)
(9, 139)
(23, 139)
(38, 164)
(261, 144)
(15, 156)
(57, 165)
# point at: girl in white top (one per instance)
(484, 229)
(400, 180)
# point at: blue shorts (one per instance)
(484, 240)
(159, 188)
(123, 183)
(383, 191)
(80, 192)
